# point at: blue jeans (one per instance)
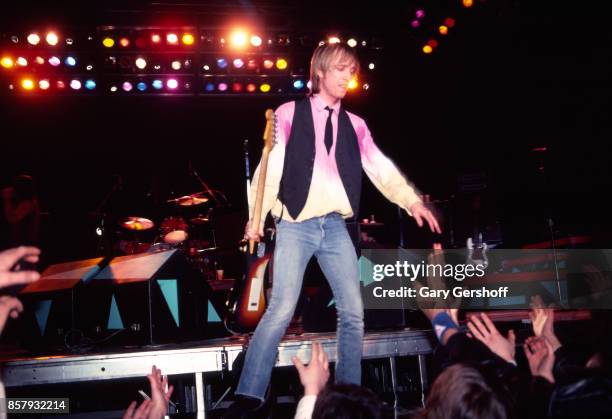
(326, 238)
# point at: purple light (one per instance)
(420, 14)
(127, 86)
(415, 23)
(222, 87)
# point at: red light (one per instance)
(449, 21)
(432, 43)
(124, 42)
(252, 64)
(237, 87)
(60, 84)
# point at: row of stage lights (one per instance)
(238, 39)
(208, 85)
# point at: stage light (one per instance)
(237, 87)
(210, 87)
(432, 43)
(449, 21)
(364, 43)
(54, 61)
(371, 66)
(14, 39)
(251, 87)
(222, 87)
(142, 86)
(172, 39)
(69, 41)
(52, 38)
(157, 67)
(27, 84)
(33, 39)
(415, 23)
(427, 49)
(333, 40)
(309, 85)
(353, 84)
(70, 61)
(172, 84)
(188, 39)
(127, 86)
(256, 40)
(468, 3)
(157, 84)
(298, 84)
(420, 14)
(44, 84)
(268, 64)
(176, 65)
(89, 67)
(238, 63)
(366, 86)
(443, 30)
(108, 42)
(90, 84)
(252, 64)
(75, 84)
(238, 39)
(221, 62)
(113, 89)
(281, 64)
(124, 42)
(352, 42)
(141, 63)
(206, 67)
(21, 61)
(39, 60)
(60, 85)
(265, 88)
(155, 38)
(6, 62)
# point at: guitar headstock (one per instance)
(269, 135)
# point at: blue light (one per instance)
(90, 84)
(142, 86)
(221, 62)
(70, 61)
(298, 84)
(158, 84)
(210, 87)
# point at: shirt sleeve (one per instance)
(276, 161)
(305, 407)
(383, 173)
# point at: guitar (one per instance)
(249, 296)
(477, 251)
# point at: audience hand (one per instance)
(540, 356)
(9, 258)
(9, 306)
(160, 393)
(141, 413)
(485, 331)
(314, 376)
(542, 320)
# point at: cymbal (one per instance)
(190, 200)
(136, 223)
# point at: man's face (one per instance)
(334, 82)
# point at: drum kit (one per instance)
(186, 225)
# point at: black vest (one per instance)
(300, 157)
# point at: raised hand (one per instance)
(483, 329)
(540, 356)
(314, 376)
(9, 258)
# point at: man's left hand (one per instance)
(420, 212)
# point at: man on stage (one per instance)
(313, 184)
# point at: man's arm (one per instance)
(389, 180)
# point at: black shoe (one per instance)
(244, 407)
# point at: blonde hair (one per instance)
(325, 56)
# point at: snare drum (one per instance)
(174, 230)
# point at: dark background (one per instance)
(511, 76)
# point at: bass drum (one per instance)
(174, 230)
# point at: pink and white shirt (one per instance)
(326, 194)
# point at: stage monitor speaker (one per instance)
(49, 304)
(144, 299)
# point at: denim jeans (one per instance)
(328, 240)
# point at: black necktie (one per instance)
(329, 132)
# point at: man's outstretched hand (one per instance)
(421, 213)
